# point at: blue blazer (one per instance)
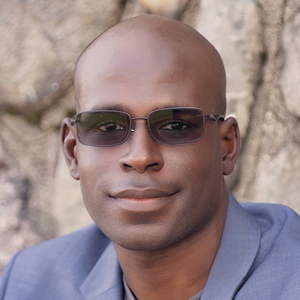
(258, 258)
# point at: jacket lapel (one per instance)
(105, 280)
(238, 249)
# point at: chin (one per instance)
(150, 240)
(142, 245)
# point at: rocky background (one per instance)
(259, 41)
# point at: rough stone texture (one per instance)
(279, 177)
(40, 41)
(290, 80)
(17, 230)
(32, 152)
(168, 8)
(272, 127)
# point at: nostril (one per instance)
(152, 165)
(141, 168)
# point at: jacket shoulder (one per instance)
(278, 223)
(275, 272)
(41, 267)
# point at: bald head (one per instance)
(143, 43)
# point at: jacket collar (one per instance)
(236, 254)
(105, 280)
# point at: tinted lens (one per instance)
(105, 128)
(177, 125)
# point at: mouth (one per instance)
(143, 200)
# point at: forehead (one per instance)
(143, 68)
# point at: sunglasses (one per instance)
(176, 125)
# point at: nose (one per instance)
(142, 153)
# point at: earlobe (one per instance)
(68, 142)
(230, 139)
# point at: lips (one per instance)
(142, 194)
(143, 200)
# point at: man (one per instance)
(150, 146)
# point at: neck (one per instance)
(178, 272)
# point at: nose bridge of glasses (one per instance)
(139, 118)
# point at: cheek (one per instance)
(94, 161)
(93, 165)
(200, 167)
(198, 160)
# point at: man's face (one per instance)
(142, 194)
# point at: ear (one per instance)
(68, 142)
(230, 139)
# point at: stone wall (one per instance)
(259, 41)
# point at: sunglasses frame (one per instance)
(214, 117)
